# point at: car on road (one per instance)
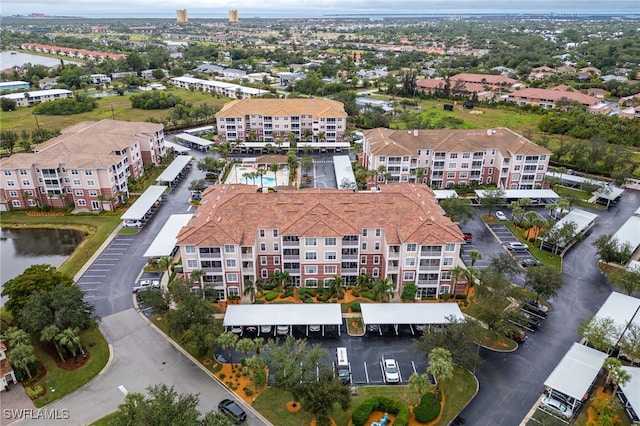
(390, 368)
(231, 408)
(516, 246)
(500, 215)
(529, 261)
(556, 407)
(146, 284)
(468, 237)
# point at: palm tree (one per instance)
(227, 340)
(293, 139)
(363, 282)
(457, 273)
(420, 383)
(475, 255)
(22, 356)
(517, 211)
(49, 334)
(274, 168)
(16, 336)
(70, 339)
(440, 365)
(615, 374)
(306, 134)
(321, 136)
(420, 174)
(334, 284)
(382, 289)
(260, 173)
(164, 263)
(250, 290)
(245, 346)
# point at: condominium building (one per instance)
(397, 232)
(182, 17)
(223, 88)
(443, 158)
(32, 98)
(88, 166)
(313, 121)
(551, 98)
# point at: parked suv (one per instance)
(233, 410)
(145, 284)
(516, 246)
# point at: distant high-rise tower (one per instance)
(233, 16)
(182, 17)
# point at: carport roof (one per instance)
(174, 169)
(164, 243)
(532, 194)
(283, 314)
(609, 192)
(629, 233)
(194, 139)
(176, 147)
(621, 309)
(631, 389)
(144, 203)
(581, 218)
(343, 169)
(576, 371)
(409, 313)
(442, 194)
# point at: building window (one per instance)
(376, 273)
(330, 242)
(363, 260)
(452, 165)
(15, 203)
(231, 263)
(446, 276)
(262, 233)
(310, 270)
(445, 289)
(449, 247)
(466, 155)
(378, 232)
(91, 183)
(453, 155)
(7, 172)
(263, 246)
(81, 203)
(410, 261)
(88, 172)
(234, 291)
(275, 233)
(311, 282)
(330, 269)
(25, 182)
(447, 261)
(364, 232)
(451, 175)
(264, 273)
(376, 246)
(232, 278)
(13, 193)
(376, 260)
(192, 263)
(93, 193)
(330, 255)
(310, 242)
(382, 159)
(10, 183)
(310, 255)
(412, 247)
(263, 260)
(276, 260)
(409, 276)
(276, 246)
(189, 249)
(228, 248)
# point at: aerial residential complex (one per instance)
(397, 232)
(448, 157)
(319, 121)
(32, 98)
(223, 88)
(88, 165)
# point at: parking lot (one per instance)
(505, 236)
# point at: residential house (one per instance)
(6, 371)
(449, 157)
(222, 88)
(32, 98)
(239, 235)
(13, 86)
(548, 98)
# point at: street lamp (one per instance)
(36, 117)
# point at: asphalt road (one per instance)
(511, 383)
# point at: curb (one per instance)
(97, 253)
(199, 365)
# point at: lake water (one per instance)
(9, 60)
(21, 248)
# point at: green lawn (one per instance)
(458, 392)
(97, 227)
(543, 256)
(60, 382)
(105, 421)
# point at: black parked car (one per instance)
(233, 410)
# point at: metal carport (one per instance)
(576, 372)
(139, 209)
(629, 233)
(608, 194)
(630, 391)
(173, 170)
(409, 313)
(178, 149)
(543, 196)
(344, 171)
(623, 310)
(284, 314)
(194, 141)
(165, 242)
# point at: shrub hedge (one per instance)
(355, 307)
(270, 296)
(429, 408)
(368, 295)
(363, 411)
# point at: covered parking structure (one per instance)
(174, 172)
(608, 195)
(629, 394)
(583, 221)
(194, 141)
(145, 206)
(289, 314)
(443, 194)
(629, 234)
(573, 180)
(164, 244)
(573, 377)
(409, 313)
(344, 172)
(178, 149)
(537, 196)
(622, 310)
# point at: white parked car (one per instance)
(391, 371)
(145, 284)
(265, 329)
(557, 407)
(516, 246)
(282, 330)
(132, 224)
(500, 215)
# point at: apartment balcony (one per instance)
(291, 256)
(349, 257)
(393, 255)
(430, 253)
(392, 269)
(349, 271)
(247, 256)
(427, 282)
(350, 243)
(429, 268)
(290, 243)
(212, 269)
(291, 270)
(210, 256)
(394, 162)
(438, 167)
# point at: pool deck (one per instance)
(238, 172)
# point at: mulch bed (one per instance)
(70, 362)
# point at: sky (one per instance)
(307, 8)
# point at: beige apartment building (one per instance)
(318, 122)
(450, 157)
(548, 98)
(88, 166)
(397, 232)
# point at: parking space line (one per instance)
(413, 365)
(366, 372)
(95, 276)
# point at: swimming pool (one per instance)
(266, 180)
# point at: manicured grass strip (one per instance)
(97, 227)
(65, 382)
(105, 421)
(459, 390)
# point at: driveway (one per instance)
(510, 384)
